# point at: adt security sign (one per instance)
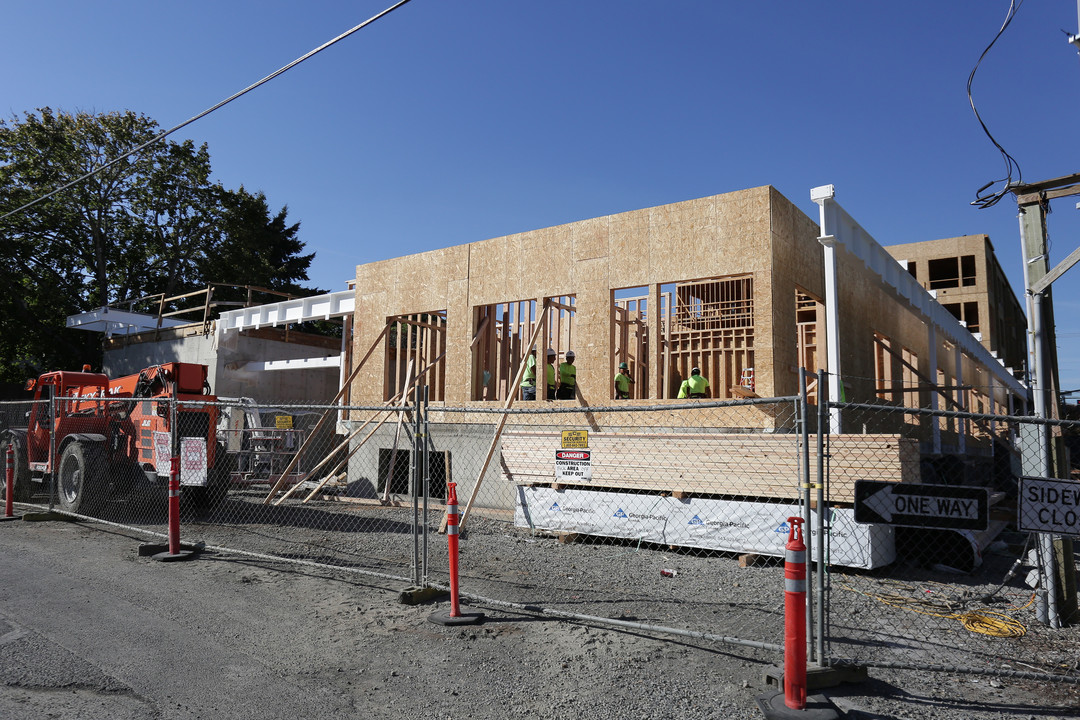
(573, 465)
(917, 505)
(1048, 505)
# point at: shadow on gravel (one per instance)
(849, 697)
(284, 567)
(237, 512)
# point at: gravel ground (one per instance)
(280, 635)
(900, 613)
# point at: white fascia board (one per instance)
(898, 282)
(312, 363)
(286, 312)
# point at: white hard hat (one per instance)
(569, 353)
(550, 351)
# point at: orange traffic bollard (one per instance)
(795, 617)
(9, 485)
(174, 506)
(175, 552)
(455, 616)
(452, 541)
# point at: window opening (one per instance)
(809, 317)
(500, 332)
(967, 313)
(708, 324)
(910, 378)
(631, 339)
(971, 316)
(890, 371)
(416, 347)
(967, 270)
(943, 273)
(401, 481)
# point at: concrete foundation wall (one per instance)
(226, 363)
(467, 445)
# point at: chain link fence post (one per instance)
(425, 465)
(819, 528)
(54, 464)
(802, 408)
(416, 482)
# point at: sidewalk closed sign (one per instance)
(1048, 505)
(573, 466)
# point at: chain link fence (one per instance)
(962, 586)
(670, 517)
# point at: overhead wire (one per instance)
(161, 136)
(984, 199)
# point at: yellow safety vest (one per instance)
(567, 375)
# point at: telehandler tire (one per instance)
(80, 478)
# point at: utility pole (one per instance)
(1056, 599)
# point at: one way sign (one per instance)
(917, 505)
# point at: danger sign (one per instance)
(193, 461)
(573, 465)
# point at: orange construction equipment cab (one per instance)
(105, 440)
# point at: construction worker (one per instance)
(528, 381)
(550, 374)
(622, 382)
(567, 378)
(694, 386)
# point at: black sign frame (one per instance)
(867, 510)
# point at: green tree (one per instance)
(151, 223)
(255, 247)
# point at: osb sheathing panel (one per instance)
(989, 279)
(591, 329)
(459, 335)
(710, 237)
(401, 286)
(796, 264)
(590, 239)
(629, 247)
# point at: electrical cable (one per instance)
(204, 113)
(984, 622)
(982, 198)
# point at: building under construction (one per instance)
(733, 284)
(966, 278)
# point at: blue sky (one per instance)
(450, 122)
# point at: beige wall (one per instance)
(714, 236)
(1001, 316)
(754, 231)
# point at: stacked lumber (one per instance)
(741, 464)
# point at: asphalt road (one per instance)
(89, 629)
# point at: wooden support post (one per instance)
(333, 452)
(433, 365)
(340, 446)
(397, 433)
(502, 421)
(333, 473)
(326, 414)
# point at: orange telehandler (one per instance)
(111, 440)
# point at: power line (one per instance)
(206, 112)
(982, 198)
